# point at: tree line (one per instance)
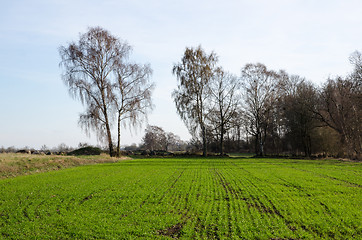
(261, 110)
(267, 111)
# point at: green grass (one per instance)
(235, 198)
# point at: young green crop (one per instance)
(222, 198)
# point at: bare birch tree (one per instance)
(194, 73)
(132, 96)
(97, 73)
(225, 99)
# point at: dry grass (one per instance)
(15, 164)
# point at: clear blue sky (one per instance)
(306, 37)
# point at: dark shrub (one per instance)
(86, 151)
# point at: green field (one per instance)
(221, 198)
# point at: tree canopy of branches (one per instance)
(260, 93)
(225, 100)
(97, 73)
(156, 138)
(356, 61)
(194, 74)
(173, 142)
(341, 110)
(132, 95)
(298, 104)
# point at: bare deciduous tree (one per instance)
(298, 105)
(97, 73)
(341, 110)
(260, 86)
(89, 64)
(225, 98)
(356, 61)
(155, 138)
(194, 73)
(132, 95)
(173, 142)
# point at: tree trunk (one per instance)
(260, 145)
(119, 135)
(222, 140)
(204, 144)
(109, 136)
(256, 145)
(307, 146)
(110, 144)
(238, 129)
(261, 149)
(108, 129)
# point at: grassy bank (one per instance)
(15, 164)
(187, 199)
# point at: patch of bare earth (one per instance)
(173, 231)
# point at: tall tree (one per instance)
(155, 138)
(298, 105)
(260, 94)
(194, 74)
(132, 95)
(88, 65)
(172, 141)
(356, 61)
(340, 109)
(225, 99)
(97, 73)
